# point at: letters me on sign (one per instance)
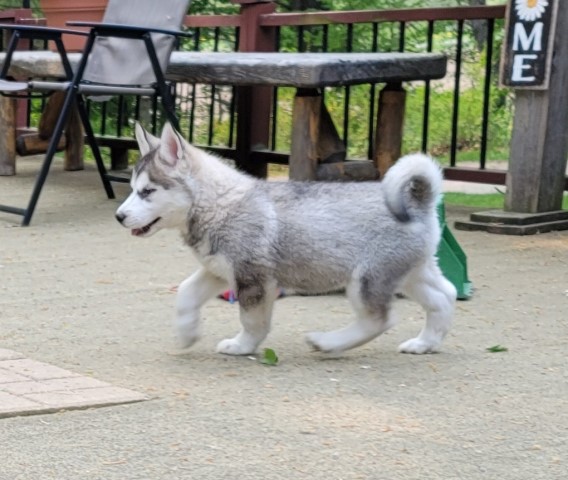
(527, 49)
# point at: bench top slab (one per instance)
(41, 63)
(303, 70)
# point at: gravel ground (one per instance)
(78, 292)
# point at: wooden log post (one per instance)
(74, 142)
(32, 144)
(351, 171)
(119, 158)
(331, 148)
(8, 136)
(539, 144)
(50, 115)
(317, 152)
(535, 63)
(306, 117)
(254, 104)
(74, 136)
(13, 111)
(21, 16)
(390, 123)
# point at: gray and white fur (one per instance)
(255, 236)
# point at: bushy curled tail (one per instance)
(412, 186)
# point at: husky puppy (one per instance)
(253, 236)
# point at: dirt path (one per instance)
(77, 292)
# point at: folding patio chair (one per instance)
(125, 54)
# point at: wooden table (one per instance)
(316, 149)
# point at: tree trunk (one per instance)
(479, 27)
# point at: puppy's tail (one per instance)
(412, 186)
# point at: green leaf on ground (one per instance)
(269, 357)
(497, 349)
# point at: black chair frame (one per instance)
(76, 88)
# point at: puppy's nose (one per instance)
(120, 217)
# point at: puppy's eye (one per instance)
(146, 192)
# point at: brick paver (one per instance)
(28, 386)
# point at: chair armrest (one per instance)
(118, 29)
(42, 31)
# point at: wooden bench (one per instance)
(317, 151)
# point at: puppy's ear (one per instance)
(146, 141)
(171, 148)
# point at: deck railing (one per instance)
(208, 113)
(439, 29)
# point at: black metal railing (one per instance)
(208, 114)
(315, 38)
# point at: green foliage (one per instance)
(440, 119)
(497, 349)
(485, 201)
(387, 37)
(286, 5)
(269, 357)
(469, 122)
(213, 7)
(207, 39)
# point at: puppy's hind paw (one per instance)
(187, 339)
(317, 340)
(417, 346)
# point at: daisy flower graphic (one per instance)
(530, 10)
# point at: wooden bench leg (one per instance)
(331, 148)
(118, 158)
(317, 152)
(390, 122)
(306, 117)
(74, 142)
(74, 136)
(253, 127)
(8, 136)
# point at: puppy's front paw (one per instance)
(232, 346)
(417, 346)
(187, 333)
(186, 339)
